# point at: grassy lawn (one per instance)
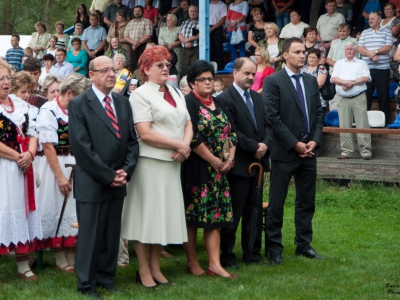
(356, 229)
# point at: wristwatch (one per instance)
(232, 162)
(353, 82)
(95, 51)
(376, 52)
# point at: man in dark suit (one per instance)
(105, 146)
(295, 117)
(247, 110)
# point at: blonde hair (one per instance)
(76, 83)
(20, 79)
(48, 81)
(5, 65)
(264, 55)
(274, 27)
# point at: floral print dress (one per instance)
(208, 204)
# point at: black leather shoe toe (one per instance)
(275, 259)
(309, 254)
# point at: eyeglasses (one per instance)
(203, 79)
(105, 71)
(162, 65)
(5, 77)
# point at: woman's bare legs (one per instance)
(190, 251)
(212, 243)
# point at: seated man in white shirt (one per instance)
(295, 28)
(350, 76)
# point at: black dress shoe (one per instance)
(275, 259)
(233, 267)
(259, 263)
(163, 283)
(91, 294)
(309, 254)
(139, 280)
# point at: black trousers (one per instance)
(97, 243)
(135, 55)
(304, 172)
(216, 41)
(242, 191)
(380, 79)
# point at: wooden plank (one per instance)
(361, 130)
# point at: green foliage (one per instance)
(20, 16)
(355, 228)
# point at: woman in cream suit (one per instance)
(153, 212)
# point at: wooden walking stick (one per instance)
(71, 177)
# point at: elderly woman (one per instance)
(51, 87)
(314, 68)
(153, 212)
(204, 175)
(236, 18)
(264, 68)
(39, 40)
(52, 126)
(295, 28)
(274, 44)
(256, 30)
(312, 43)
(168, 36)
(115, 47)
(63, 38)
(117, 30)
(20, 219)
(48, 61)
(122, 74)
(51, 49)
(78, 57)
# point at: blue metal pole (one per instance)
(204, 22)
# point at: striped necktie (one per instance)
(110, 113)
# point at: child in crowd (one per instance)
(218, 86)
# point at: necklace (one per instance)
(205, 102)
(11, 105)
(59, 105)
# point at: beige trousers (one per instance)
(348, 108)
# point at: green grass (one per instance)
(356, 229)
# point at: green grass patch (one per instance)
(355, 228)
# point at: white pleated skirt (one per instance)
(153, 211)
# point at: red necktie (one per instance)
(111, 115)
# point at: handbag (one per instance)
(328, 90)
(225, 148)
(237, 37)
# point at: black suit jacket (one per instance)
(284, 115)
(248, 135)
(97, 150)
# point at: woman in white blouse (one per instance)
(154, 213)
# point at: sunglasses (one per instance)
(162, 65)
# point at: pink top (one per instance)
(257, 81)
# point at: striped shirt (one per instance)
(372, 40)
(187, 31)
(14, 57)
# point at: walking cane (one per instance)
(71, 177)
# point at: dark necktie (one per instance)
(250, 107)
(300, 94)
(111, 115)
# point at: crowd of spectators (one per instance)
(125, 27)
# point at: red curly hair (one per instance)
(150, 56)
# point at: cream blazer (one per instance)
(149, 105)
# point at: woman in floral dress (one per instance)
(204, 181)
(52, 126)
